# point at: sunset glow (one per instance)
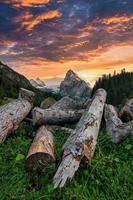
(46, 38)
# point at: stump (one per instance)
(41, 149)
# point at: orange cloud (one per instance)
(117, 19)
(118, 24)
(28, 3)
(29, 21)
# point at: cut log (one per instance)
(13, 113)
(66, 103)
(26, 95)
(55, 117)
(83, 140)
(41, 149)
(126, 113)
(115, 127)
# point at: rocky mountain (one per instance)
(37, 83)
(74, 87)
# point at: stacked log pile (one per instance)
(81, 141)
(61, 112)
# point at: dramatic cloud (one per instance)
(117, 19)
(28, 3)
(47, 37)
(29, 21)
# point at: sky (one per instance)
(45, 38)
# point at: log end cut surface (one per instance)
(38, 158)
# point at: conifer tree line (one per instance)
(119, 86)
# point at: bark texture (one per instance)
(83, 140)
(55, 116)
(115, 127)
(41, 149)
(13, 113)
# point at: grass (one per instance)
(108, 177)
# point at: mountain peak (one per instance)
(74, 86)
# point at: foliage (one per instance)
(108, 177)
(5, 100)
(119, 87)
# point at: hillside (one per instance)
(11, 81)
(119, 87)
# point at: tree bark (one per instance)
(55, 117)
(115, 127)
(83, 140)
(41, 149)
(13, 113)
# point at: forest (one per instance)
(119, 86)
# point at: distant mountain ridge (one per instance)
(11, 82)
(37, 83)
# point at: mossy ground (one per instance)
(108, 177)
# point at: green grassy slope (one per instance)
(108, 177)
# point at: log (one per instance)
(65, 103)
(41, 149)
(126, 113)
(55, 117)
(13, 113)
(114, 126)
(83, 140)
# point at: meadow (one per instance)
(108, 177)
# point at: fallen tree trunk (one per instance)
(66, 103)
(13, 113)
(115, 127)
(55, 117)
(41, 149)
(83, 140)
